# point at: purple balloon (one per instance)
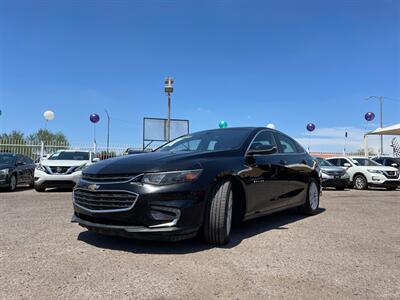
(94, 118)
(310, 127)
(369, 116)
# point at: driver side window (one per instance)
(264, 140)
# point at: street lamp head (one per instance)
(168, 85)
(370, 97)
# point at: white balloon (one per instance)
(270, 125)
(48, 115)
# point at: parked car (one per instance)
(365, 172)
(62, 169)
(388, 161)
(332, 176)
(15, 169)
(198, 183)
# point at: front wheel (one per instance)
(312, 201)
(13, 183)
(360, 182)
(218, 219)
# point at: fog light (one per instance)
(376, 178)
(161, 213)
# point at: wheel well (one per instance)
(359, 173)
(239, 199)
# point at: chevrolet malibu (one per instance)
(199, 183)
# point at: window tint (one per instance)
(333, 161)
(343, 161)
(287, 144)
(264, 140)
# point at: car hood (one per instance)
(379, 168)
(149, 162)
(332, 168)
(5, 166)
(63, 163)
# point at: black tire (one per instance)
(392, 188)
(40, 190)
(360, 182)
(311, 205)
(31, 185)
(13, 183)
(218, 223)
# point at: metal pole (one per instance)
(381, 121)
(169, 117)
(108, 131)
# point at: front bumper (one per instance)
(44, 180)
(185, 202)
(139, 232)
(380, 180)
(335, 181)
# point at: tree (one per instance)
(46, 136)
(13, 136)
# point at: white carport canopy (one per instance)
(390, 130)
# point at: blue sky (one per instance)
(246, 62)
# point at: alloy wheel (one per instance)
(313, 196)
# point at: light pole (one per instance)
(380, 98)
(169, 89)
(108, 130)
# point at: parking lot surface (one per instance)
(350, 250)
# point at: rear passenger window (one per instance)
(287, 144)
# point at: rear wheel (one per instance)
(310, 207)
(360, 182)
(13, 183)
(40, 190)
(392, 188)
(218, 219)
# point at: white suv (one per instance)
(62, 169)
(365, 172)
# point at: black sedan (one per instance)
(15, 169)
(198, 183)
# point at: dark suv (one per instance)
(388, 161)
(15, 169)
(198, 183)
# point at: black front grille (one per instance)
(59, 170)
(104, 200)
(335, 173)
(390, 174)
(108, 178)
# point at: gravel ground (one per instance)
(351, 250)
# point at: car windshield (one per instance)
(7, 158)
(366, 162)
(70, 155)
(323, 162)
(212, 140)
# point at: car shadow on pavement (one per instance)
(243, 231)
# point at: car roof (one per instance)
(8, 153)
(69, 150)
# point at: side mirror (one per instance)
(347, 165)
(265, 151)
(96, 159)
(395, 165)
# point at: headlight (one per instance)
(165, 178)
(80, 168)
(375, 171)
(41, 168)
(4, 171)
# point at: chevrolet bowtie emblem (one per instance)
(93, 187)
